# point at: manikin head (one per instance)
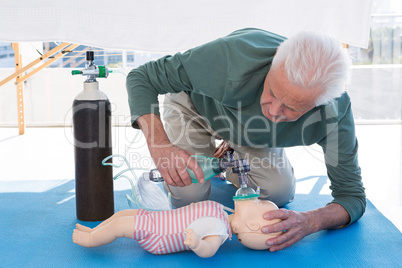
(247, 221)
(308, 70)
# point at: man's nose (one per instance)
(275, 108)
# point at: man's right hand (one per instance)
(170, 160)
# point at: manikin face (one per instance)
(248, 220)
(281, 101)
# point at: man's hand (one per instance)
(170, 160)
(297, 225)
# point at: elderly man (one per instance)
(260, 93)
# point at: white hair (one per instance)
(312, 60)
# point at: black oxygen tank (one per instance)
(92, 143)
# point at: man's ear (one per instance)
(253, 226)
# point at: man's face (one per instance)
(282, 101)
(247, 221)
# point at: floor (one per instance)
(47, 154)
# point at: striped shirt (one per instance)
(163, 232)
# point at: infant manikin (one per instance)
(201, 227)
(247, 220)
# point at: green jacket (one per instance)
(224, 78)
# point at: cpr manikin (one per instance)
(201, 227)
(247, 220)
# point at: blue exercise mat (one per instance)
(37, 219)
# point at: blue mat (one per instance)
(37, 219)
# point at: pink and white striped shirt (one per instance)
(163, 232)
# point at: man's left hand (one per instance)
(294, 225)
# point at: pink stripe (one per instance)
(149, 240)
(181, 243)
(171, 244)
(198, 211)
(137, 223)
(154, 246)
(175, 222)
(146, 224)
(181, 224)
(169, 226)
(135, 237)
(143, 243)
(163, 231)
(188, 217)
(142, 224)
(177, 229)
(171, 219)
(166, 243)
(177, 242)
(162, 249)
(158, 223)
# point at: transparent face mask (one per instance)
(245, 192)
(145, 194)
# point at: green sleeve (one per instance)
(201, 70)
(145, 83)
(340, 152)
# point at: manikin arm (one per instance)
(204, 248)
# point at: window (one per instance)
(376, 86)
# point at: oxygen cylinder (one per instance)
(92, 143)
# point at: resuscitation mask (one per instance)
(145, 194)
(246, 193)
(241, 168)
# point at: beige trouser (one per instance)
(186, 128)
